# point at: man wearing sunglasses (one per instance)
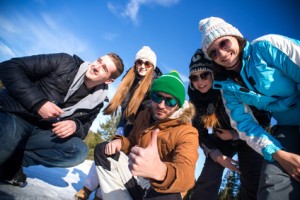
(161, 149)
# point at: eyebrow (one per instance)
(103, 65)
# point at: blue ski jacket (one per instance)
(271, 71)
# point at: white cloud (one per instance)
(6, 52)
(36, 35)
(132, 8)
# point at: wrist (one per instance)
(277, 155)
(163, 172)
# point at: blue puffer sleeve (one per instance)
(282, 53)
(244, 122)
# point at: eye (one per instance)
(223, 43)
(212, 54)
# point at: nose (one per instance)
(221, 52)
(143, 65)
(161, 104)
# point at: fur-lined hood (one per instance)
(185, 113)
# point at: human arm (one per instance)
(64, 128)
(290, 162)
(228, 162)
(245, 123)
(49, 110)
(144, 161)
(113, 147)
(25, 77)
(180, 161)
(84, 120)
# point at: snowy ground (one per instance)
(48, 183)
(56, 183)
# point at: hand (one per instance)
(64, 129)
(113, 147)
(49, 110)
(290, 162)
(228, 163)
(224, 134)
(146, 162)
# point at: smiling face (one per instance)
(100, 72)
(225, 52)
(142, 66)
(202, 81)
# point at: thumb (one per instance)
(153, 142)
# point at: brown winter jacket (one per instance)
(177, 146)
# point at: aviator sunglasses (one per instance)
(202, 76)
(146, 63)
(223, 45)
(157, 98)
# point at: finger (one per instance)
(135, 150)
(63, 133)
(295, 177)
(132, 158)
(153, 142)
(219, 131)
(58, 109)
(58, 129)
(106, 151)
(233, 167)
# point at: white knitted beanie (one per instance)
(145, 53)
(213, 28)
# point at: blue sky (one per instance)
(92, 28)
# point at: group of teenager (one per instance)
(235, 88)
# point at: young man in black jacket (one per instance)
(47, 107)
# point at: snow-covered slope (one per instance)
(48, 183)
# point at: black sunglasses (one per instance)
(157, 98)
(146, 63)
(223, 44)
(202, 76)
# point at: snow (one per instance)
(57, 183)
(48, 183)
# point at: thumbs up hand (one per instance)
(146, 162)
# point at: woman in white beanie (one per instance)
(132, 96)
(266, 74)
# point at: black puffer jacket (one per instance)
(210, 142)
(33, 80)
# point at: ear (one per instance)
(109, 81)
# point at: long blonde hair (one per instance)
(136, 96)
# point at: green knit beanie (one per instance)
(170, 84)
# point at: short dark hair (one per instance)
(119, 64)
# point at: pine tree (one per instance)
(106, 132)
(109, 128)
(231, 190)
(92, 139)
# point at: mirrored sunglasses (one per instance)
(157, 98)
(203, 76)
(223, 44)
(147, 64)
